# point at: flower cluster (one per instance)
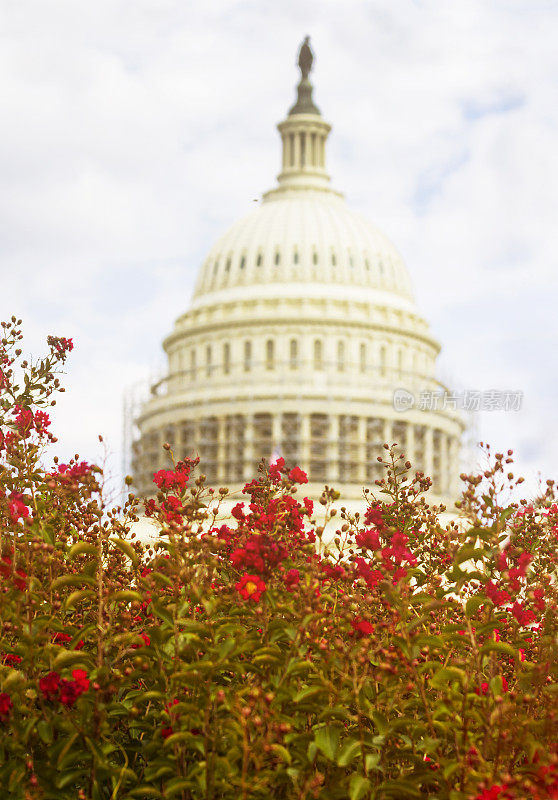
(66, 691)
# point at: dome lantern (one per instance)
(304, 135)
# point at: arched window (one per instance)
(314, 257)
(226, 358)
(259, 260)
(247, 356)
(318, 354)
(341, 356)
(208, 365)
(362, 354)
(270, 354)
(333, 260)
(242, 262)
(228, 264)
(293, 354)
(277, 258)
(295, 257)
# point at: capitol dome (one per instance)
(301, 328)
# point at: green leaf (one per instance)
(358, 786)
(309, 691)
(70, 777)
(44, 729)
(66, 657)
(473, 604)
(77, 597)
(126, 548)
(126, 596)
(73, 580)
(349, 751)
(372, 760)
(80, 548)
(498, 647)
(446, 675)
(327, 741)
(282, 752)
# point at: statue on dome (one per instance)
(305, 58)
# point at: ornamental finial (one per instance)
(304, 103)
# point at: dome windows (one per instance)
(208, 364)
(247, 356)
(242, 261)
(383, 361)
(277, 259)
(270, 354)
(228, 264)
(216, 267)
(259, 260)
(314, 257)
(362, 354)
(341, 356)
(333, 259)
(295, 256)
(318, 354)
(226, 358)
(293, 354)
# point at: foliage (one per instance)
(404, 659)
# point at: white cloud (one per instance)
(132, 133)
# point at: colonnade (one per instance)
(336, 449)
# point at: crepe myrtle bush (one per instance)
(262, 657)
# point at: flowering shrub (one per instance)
(402, 659)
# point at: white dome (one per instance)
(308, 236)
(302, 328)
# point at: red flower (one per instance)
(177, 479)
(292, 578)
(296, 475)
(368, 540)
(146, 641)
(61, 345)
(251, 587)
(362, 627)
(373, 516)
(81, 679)
(11, 660)
(50, 685)
(498, 596)
(42, 421)
(6, 706)
(523, 615)
(17, 507)
(23, 420)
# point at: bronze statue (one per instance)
(305, 58)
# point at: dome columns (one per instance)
(304, 137)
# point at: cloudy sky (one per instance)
(133, 132)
